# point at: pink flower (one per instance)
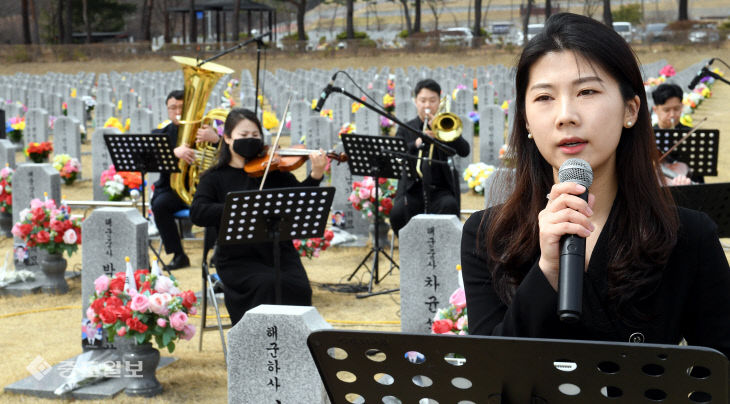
(50, 204)
(101, 284)
(458, 298)
(178, 320)
(36, 203)
(90, 314)
(162, 322)
(364, 193)
(164, 284)
(122, 331)
(188, 332)
(462, 323)
(193, 311)
(139, 303)
(159, 302)
(70, 236)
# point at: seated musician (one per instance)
(668, 109)
(247, 270)
(444, 196)
(165, 201)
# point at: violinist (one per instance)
(668, 109)
(247, 270)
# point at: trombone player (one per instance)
(437, 191)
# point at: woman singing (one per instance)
(655, 272)
(247, 270)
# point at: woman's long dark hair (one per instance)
(234, 117)
(644, 221)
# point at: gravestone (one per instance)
(54, 101)
(430, 248)
(300, 113)
(31, 181)
(510, 119)
(485, 94)
(406, 111)
(36, 126)
(67, 138)
(100, 161)
(320, 133)
(463, 104)
(467, 132)
(367, 122)
(77, 110)
(268, 357)
(141, 121)
(7, 153)
(159, 111)
(341, 110)
(491, 133)
(130, 102)
(35, 99)
(102, 112)
(354, 222)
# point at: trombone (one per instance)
(446, 127)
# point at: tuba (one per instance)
(199, 82)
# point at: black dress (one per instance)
(247, 270)
(444, 194)
(691, 301)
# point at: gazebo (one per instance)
(221, 10)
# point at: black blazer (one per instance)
(691, 301)
(171, 132)
(461, 146)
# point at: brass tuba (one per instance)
(199, 82)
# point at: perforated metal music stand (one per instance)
(274, 215)
(374, 367)
(142, 153)
(378, 157)
(712, 199)
(699, 151)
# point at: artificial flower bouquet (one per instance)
(452, 320)
(150, 306)
(6, 190)
(115, 123)
(120, 184)
(14, 127)
(476, 175)
(49, 227)
(363, 196)
(311, 247)
(39, 152)
(68, 167)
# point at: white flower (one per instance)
(70, 237)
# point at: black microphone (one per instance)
(572, 248)
(325, 93)
(702, 73)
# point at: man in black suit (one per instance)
(165, 201)
(442, 180)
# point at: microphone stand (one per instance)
(424, 138)
(259, 44)
(707, 72)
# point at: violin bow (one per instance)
(276, 143)
(680, 141)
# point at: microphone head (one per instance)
(577, 171)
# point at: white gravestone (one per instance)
(491, 133)
(67, 137)
(36, 126)
(100, 161)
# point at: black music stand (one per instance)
(371, 155)
(142, 153)
(374, 367)
(274, 215)
(699, 151)
(712, 199)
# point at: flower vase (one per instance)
(53, 266)
(38, 159)
(15, 136)
(6, 223)
(140, 364)
(383, 240)
(70, 179)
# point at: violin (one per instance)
(285, 160)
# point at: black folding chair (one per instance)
(209, 243)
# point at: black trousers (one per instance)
(165, 202)
(441, 201)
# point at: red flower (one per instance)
(113, 301)
(97, 305)
(42, 237)
(135, 324)
(138, 277)
(189, 299)
(442, 326)
(116, 285)
(38, 214)
(122, 312)
(25, 229)
(297, 243)
(329, 235)
(145, 287)
(107, 316)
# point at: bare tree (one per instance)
(436, 6)
(85, 16)
(236, 18)
(683, 10)
(548, 9)
(607, 17)
(26, 23)
(349, 25)
(477, 21)
(193, 23)
(590, 7)
(301, 6)
(146, 19)
(417, 17)
(34, 14)
(409, 26)
(68, 33)
(526, 21)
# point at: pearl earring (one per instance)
(629, 123)
(529, 135)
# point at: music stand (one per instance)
(375, 367)
(142, 153)
(699, 151)
(274, 215)
(371, 156)
(712, 199)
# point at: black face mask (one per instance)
(249, 147)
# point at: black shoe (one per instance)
(179, 261)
